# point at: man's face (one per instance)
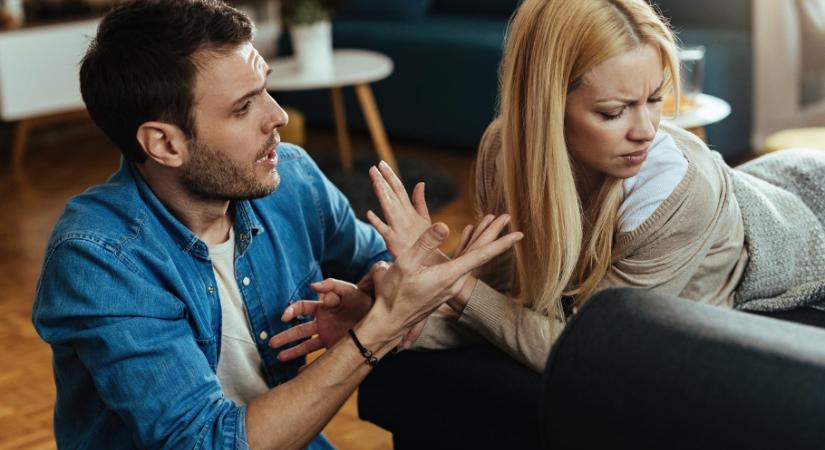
(232, 156)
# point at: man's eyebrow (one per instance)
(254, 92)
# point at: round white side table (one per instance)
(357, 68)
(708, 110)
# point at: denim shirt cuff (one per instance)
(238, 440)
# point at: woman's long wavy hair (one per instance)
(551, 45)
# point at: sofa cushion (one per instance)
(390, 9)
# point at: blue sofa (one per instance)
(447, 53)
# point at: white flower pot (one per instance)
(313, 48)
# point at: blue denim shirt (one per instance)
(128, 301)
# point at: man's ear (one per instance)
(163, 143)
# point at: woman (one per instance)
(606, 197)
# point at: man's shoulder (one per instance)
(105, 214)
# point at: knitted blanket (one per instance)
(782, 199)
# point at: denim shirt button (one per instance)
(246, 281)
(243, 236)
(263, 335)
(210, 289)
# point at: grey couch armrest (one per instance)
(649, 371)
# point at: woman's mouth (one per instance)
(635, 158)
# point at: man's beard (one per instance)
(212, 175)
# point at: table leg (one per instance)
(379, 136)
(18, 147)
(344, 146)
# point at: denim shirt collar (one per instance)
(246, 223)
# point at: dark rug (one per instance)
(440, 190)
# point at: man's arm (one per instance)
(292, 414)
(406, 292)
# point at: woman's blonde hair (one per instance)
(551, 45)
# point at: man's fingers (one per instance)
(331, 300)
(378, 271)
(300, 308)
(428, 242)
(476, 257)
(394, 183)
(302, 349)
(419, 200)
(293, 334)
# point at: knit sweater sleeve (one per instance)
(521, 332)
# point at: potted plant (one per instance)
(310, 30)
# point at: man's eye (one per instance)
(244, 109)
(655, 99)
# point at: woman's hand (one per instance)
(406, 219)
(410, 290)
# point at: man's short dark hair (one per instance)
(141, 66)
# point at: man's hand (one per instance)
(341, 306)
(410, 289)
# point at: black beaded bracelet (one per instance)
(371, 359)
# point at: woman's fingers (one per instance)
(492, 231)
(464, 241)
(383, 229)
(394, 183)
(419, 200)
(386, 197)
(302, 349)
(482, 225)
(302, 331)
(475, 257)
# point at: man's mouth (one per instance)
(271, 156)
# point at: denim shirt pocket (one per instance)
(303, 290)
(209, 347)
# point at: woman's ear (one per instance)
(163, 143)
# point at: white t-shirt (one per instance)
(240, 366)
(643, 193)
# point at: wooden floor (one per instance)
(62, 162)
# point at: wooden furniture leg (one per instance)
(344, 146)
(24, 127)
(379, 136)
(18, 146)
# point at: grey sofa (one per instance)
(633, 369)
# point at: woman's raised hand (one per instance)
(410, 289)
(406, 218)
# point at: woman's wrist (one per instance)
(459, 302)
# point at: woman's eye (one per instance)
(612, 115)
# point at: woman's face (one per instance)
(613, 115)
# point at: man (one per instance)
(161, 288)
